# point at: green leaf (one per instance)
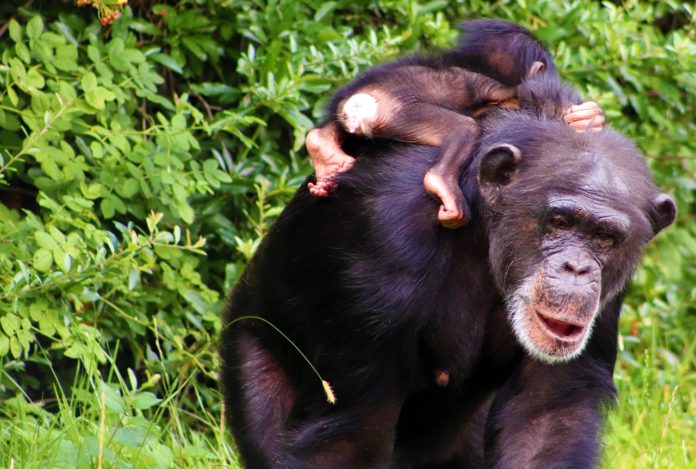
(18, 72)
(115, 47)
(110, 205)
(43, 260)
(95, 99)
(119, 63)
(34, 79)
(42, 51)
(145, 400)
(25, 338)
(97, 150)
(37, 310)
(133, 437)
(9, 121)
(15, 31)
(15, 347)
(45, 240)
(59, 257)
(132, 379)
(132, 56)
(128, 189)
(93, 53)
(23, 53)
(89, 82)
(112, 398)
(67, 32)
(12, 94)
(325, 9)
(67, 92)
(35, 27)
(198, 303)
(10, 323)
(66, 58)
(53, 39)
(75, 350)
(91, 191)
(178, 122)
(4, 345)
(168, 62)
(185, 212)
(193, 45)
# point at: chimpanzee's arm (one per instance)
(550, 415)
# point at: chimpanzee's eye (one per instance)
(559, 222)
(604, 240)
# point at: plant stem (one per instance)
(34, 137)
(330, 397)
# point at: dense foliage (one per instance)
(142, 161)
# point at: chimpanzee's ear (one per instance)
(662, 212)
(536, 68)
(499, 167)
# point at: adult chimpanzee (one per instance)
(521, 305)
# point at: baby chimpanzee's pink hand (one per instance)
(585, 116)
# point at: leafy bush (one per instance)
(141, 162)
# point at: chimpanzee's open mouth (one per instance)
(561, 330)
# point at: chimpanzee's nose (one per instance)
(576, 267)
(576, 263)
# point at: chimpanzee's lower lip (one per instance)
(561, 330)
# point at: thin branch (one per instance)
(35, 136)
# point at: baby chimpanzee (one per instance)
(433, 100)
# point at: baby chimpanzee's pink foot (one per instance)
(358, 114)
(324, 148)
(454, 210)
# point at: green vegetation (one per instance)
(141, 163)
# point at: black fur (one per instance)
(482, 39)
(377, 295)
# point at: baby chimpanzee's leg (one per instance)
(378, 113)
(455, 134)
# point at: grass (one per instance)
(117, 422)
(653, 424)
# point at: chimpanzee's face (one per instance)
(554, 305)
(566, 227)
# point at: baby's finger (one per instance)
(587, 124)
(581, 115)
(584, 106)
(598, 120)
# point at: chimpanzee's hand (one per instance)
(585, 116)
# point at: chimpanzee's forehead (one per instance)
(594, 172)
(605, 177)
(554, 155)
(603, 162)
